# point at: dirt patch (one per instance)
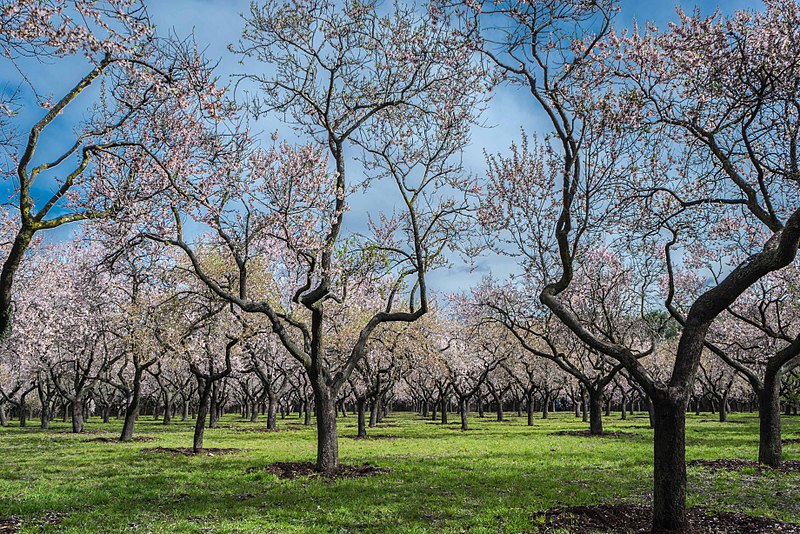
(9, 525)
(586, 433)
(633, 518)
(187, 451)
(372, 436)
(262, 429)
(292, 470)
(723, 422)
(788, 466)
(135, 439)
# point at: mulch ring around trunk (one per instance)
(261, 429)
(136, 439)
(787, 466)
(372, 436)
(634, 518)
(9, 525)
(292, 470)
(188, 451)
(587, 433)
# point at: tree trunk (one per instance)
(213, 407)
(254, 412)
(443, 406)
(77, 416)
(361, 408)
(584, 405)
(624, 411)
(23, 411)
(545, 405)
(723, 408)
(770, 449)
(500, 415)
(595, 413)
(669, 464)
(462, 410)
(167, 408)
(132, 410)
(373, 413)
(530, 408)
(272, 411)
(327, 435)
(202, 412)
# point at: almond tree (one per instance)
(401, 90)
(679, 141)
(133, 75)
(755, 336)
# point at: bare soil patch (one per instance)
(372, 436)
(723, 422)
(633, 518)
(788, 466)
(135, 439)
(187, 451)
(292, 470)
(9, 525)
(586, 433)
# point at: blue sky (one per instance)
(216, 23)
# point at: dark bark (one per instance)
(204, 387)
(361, 408)
(132, 409)
(462, 410)
(272, 408)
(595, 412)
(530, 408)
(545, 405)
(669, 463)
(373, 413)
(327, 433)
(770, 449)
(723, 408)
(77, 415)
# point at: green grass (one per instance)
(493, 478)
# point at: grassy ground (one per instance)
(493, 478)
